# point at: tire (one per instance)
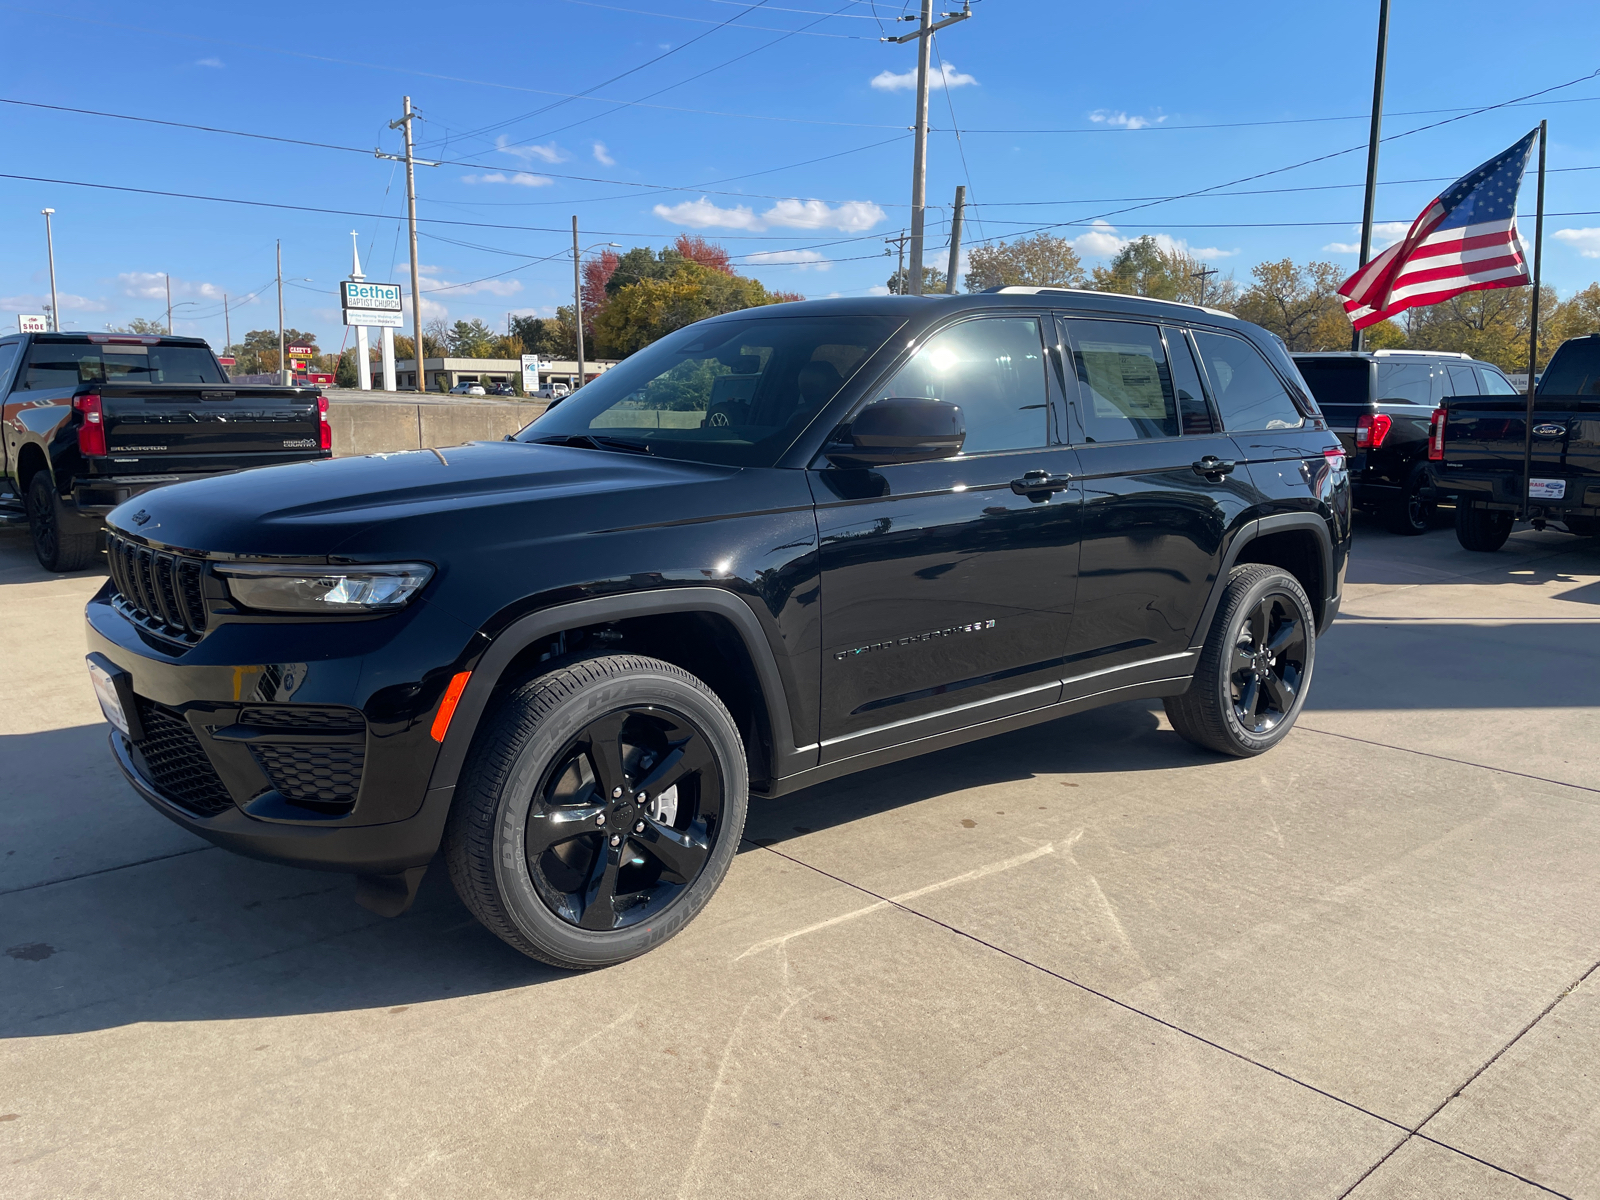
(1251, 681)
(1482, 529)
(584, 741)
(58, 541)
(1411, 515)
(1581, 526)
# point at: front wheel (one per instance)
(1482, 529)
(599, 809)
(1251, 681)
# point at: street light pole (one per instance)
(227, 324)
(50, 249)
(577, 302)
(919, 157)
(168, 279)
(283, 367)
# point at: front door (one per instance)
(946, 594)
(1155, 518)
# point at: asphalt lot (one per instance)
(1082, 960)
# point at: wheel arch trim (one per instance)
(533, 627)
(1261, 527)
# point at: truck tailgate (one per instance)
(1486, 435)
(197, 427)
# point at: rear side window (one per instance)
(1407, 383)
(1125, 390)
(1463, 380)
(8, 355)
(1496, 384)
(1249, 393)
(1193, 411)
(68, 364)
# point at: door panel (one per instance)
(946, 595)
(1154, 527)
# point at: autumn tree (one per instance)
(257, 354)
(1299, 303)
(899, 283)
(1144, 267)
(652, 307)
(694, 248)
(1038, 261)
(1492, 324)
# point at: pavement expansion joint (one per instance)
(44, 883)
(1409, 1133)
(1302, 727)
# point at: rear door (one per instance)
(947, 596)
(1155, 518)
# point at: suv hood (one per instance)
(313, 509)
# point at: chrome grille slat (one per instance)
(160, 590)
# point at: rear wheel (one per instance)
(599, 809)
(1410, 514)
(1581, 526)
(1251, 681)
(1482, 529)
(62, 540)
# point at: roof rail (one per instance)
(1424, 353)
(1019, 290)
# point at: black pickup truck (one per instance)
(93, 419)
(772, 548)
(1476, 448)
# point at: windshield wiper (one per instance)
(631, 445)
(588, 441)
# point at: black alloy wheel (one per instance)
(43, 525)
(598, 810)
(625, 819)
(1269, 662)
(62, 540)
(1411, 515)
(1251, 680)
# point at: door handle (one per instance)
(1211, 466)
(1037, 483)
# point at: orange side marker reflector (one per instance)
(447, 707)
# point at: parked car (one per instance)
(554, 391)
(500, 389)
(1380, 403)
(94, 419)
(1477, 446)
(768, 550)
(468, 389)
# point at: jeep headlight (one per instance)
(353, 589)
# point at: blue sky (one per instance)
(794, 154)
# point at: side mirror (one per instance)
(901, 429)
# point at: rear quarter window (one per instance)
(1249, 394)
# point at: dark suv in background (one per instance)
(775, 547)
(1380, 403)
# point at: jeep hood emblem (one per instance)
(140, 517)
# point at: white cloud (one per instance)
(1103, 241)
(152, 285)
(214, 63)
(429, 279)
(520, 178)
(1384, 235)
(702, 214)
(876, 289)
(69, 303)
(1585, 241)
(550, 153)
(947, 77)
(1121, 120)
(853, 216)
(603, 156)
(803, 259)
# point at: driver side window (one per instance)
(993, 367)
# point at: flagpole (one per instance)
(1533, 336)
(1372, 149)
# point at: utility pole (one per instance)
(919, 158)
(1205, 282)
(168, 278)
(1372, 148)
(227, 324)
(283, 367)
(955, 240)
(50, 249)
(577, 302)
(900, 266)
(404, 122)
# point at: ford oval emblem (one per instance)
(1548, 429)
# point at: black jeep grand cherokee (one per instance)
(775, 547)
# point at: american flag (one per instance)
(1464, 241)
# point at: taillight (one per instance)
(92, 433)
(1371, 429)
(324, 428)
(1436, 435)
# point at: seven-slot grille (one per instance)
(158, 589)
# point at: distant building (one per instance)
(445, 373)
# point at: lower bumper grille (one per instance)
(176, 764)
(309, 774)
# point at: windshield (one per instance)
(68, 364)
(731, 392)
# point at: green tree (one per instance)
(345, 374)
(1492, 325)
(637, 314)
(1300, 304)
(257, 354)
(140, 325)
(471, 339)
(1038, 261)
(932, 281)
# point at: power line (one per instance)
(706, 21)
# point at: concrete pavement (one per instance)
(1081, 959)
